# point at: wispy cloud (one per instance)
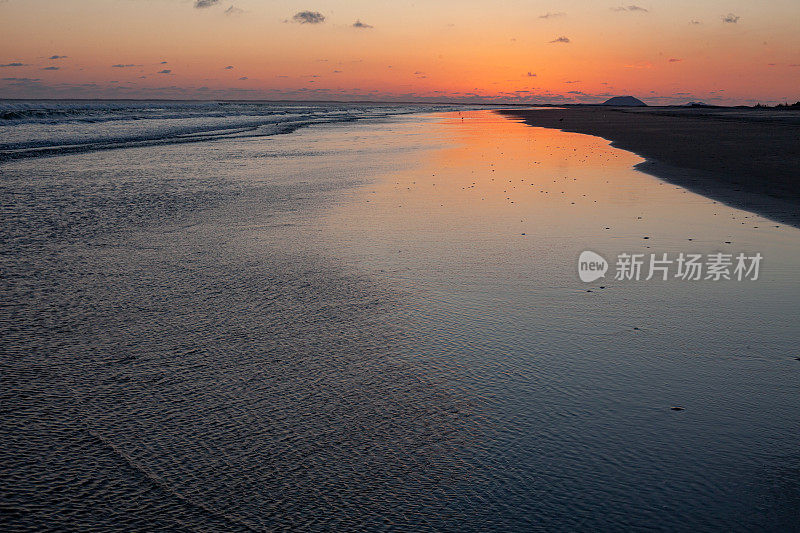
(362, 25)
(243, 78)
(309, 17)
(730, 18)
(233, 10)
(229, 67)
(675, 60)
(632, 8)
(51, 68)
(561, 39)
(124, 65)
(200, 4)
(57, 57)
(530, 74)
(695, 22)
(165, 71)
(549, 15)
(15, 64)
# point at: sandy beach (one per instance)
(372, 325)
(746, 158)
(399, 266)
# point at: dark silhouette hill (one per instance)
(628, 101)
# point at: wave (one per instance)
(56, 111)
(41, 128)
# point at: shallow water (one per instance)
(345, 328)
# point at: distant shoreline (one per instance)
(527, 105)
(289, 101)
(747, 158)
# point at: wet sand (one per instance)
(746, 158)
(379, 325)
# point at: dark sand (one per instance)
(746, 158)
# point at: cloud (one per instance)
(15, 64)
(200, 4)
(165, 71)
(359, 24)
(51, 68)
(549, 15)
(675, 60)
(233, 10)
(730, 18)
(695, 22)
(243, 78)
(572, 81)
(337, 71)
(561, 39)
(229, 67)
(531, 74)
(164, 62)
(309, 17)
(124, 65)
(633, 8)
(57, 57)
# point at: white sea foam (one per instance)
(34, 128)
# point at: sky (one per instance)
(527, 51)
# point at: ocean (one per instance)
(258, 316)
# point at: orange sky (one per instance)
(731, 51)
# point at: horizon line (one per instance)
(405, 102)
